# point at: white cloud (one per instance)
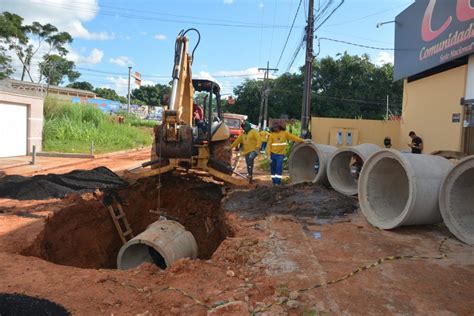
(228, 1)
(94, 57)
(122, 61)
(65, 15)
(228, 79)
(147, 83)
(261, 5)
(160, 37)
(246, 73)
(383, 58)
(120, 85)
(204, 75)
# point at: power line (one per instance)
(355, 36)
(261, 34)
(289, 33)
(273, 30)
(159, 76)
(367, 16)
(330, 14)
(149, 18)
(296, 53)
(354, 44)
(369, 102)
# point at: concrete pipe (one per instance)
(339, 169)
(162, 243)
(397, 189)
(456, 200)
(307, 163)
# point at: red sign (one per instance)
(430, 33)
(138, 78)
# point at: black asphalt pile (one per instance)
(49, 186)
(23, 305)
(306, 201)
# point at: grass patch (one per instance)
(133, 120)
(72, 127)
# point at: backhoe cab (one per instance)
(192, 137)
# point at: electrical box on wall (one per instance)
(343, 137)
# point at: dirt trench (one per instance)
(83, 234)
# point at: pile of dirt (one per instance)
(42, 187)
(301, 200)
(83, 234)
(19, 304)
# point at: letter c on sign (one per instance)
(464, 10)
(426, 32)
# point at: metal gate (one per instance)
(468, 147)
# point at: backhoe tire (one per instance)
(221, 156)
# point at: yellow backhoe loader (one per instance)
(184, 141)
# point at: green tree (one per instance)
(348, 86)
(13, 36)
(248, 96)
(26, 40)
(352, 86)
(5, 64)
(54, 68)
(150, 95)
(110, 94)
(286, 96)
(82, 85)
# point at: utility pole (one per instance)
(308, 73)
(129, 75)
(265, 93)
(388, 100)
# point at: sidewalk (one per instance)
(114, 161)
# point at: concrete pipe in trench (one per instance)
(456, 200)
(339, 169)
(308, 161)
(162, 243)
(397, 189)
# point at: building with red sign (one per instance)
(434, 55)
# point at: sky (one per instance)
(237, 36)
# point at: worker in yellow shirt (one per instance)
(277, 142)
(263, 138)
(250, 141)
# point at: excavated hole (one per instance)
(83, 235)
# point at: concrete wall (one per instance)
(35, 117)
(364, 131)
(428, 108)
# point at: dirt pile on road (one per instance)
(83, 234)
(42, 187)
(301, 201)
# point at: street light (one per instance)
(382, 23)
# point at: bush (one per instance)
(72, 127)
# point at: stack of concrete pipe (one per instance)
(397, 189)
(338, 168)
(308, 161)
(456, 200)
(394, 188)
